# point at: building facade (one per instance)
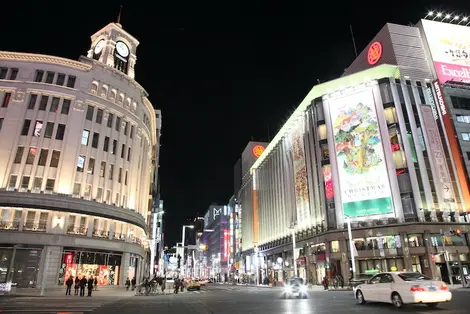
(77, 142)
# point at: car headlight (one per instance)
(288, 289)
(303, 288)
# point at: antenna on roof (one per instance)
(353, 41)
(118, 20)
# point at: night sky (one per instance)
(222, 72)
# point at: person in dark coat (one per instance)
(95, 283)
(69, 284)
(90, 286)
(77, 285)
(83, 283)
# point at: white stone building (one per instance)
(77, 143)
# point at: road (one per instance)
(219, 299)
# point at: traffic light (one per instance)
(179, 261)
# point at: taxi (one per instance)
(193, 286)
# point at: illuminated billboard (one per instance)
(362, 170)
(449, 45)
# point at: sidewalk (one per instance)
(103, 291)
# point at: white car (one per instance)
(401, 288)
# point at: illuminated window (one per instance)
(31, 155)
(38, 128)
(322, 132)
(102, 169)
(391, 115)
(466, 137)
(80, 163)
(85, 137)
(91, 166)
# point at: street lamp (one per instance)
(351, 246)
(183, 236)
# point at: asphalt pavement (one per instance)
(223, 299)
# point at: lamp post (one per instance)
(351, 246)
(183, 236)
(292, 227)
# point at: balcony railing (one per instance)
(9, 225)
(99, 233)
(35, 227)
(77, 230)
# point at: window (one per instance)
(43, 102)
(99, 194)
(102, 169)
(71, 81)
(32, 101)
(111, 172)
(19, 155)
(31, 155)
(37, 184)
(99, 116)
(49, 130)
(39, 75)
(128, 154)
(468, 155)
(106, 144)
(132, 132)
(85, 136)
(43, 157)
(26, 125)
(118, 124)
(126, 128)
(114, 147)
(125, 178)
(110, 120)
(50, 77)
(65, 106)
(89, 112)
(463, 118)
(460, 102)
(91, 166)
(6, 100)
(81, 163)
(87, 192)
(13, 74)
(466, 137)
(76, 189)
(50, 185)
(12, 183)
(123, 150)
(95, 140)
(54, 104)
(120, 175)
(60, 132)
(55, 159)
(60, 79)
(37, 128)
(1, 123)
(3, 73)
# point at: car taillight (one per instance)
(444, 287)
(417, 289)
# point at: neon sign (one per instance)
(257, 150)
(374, 53)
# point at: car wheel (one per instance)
(432, 305)
(360, 297)
(396, 300)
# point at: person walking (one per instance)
(77, 285)
(83, 283)
(68, 284)
(90, 286)
(95, 283)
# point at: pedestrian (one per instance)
(83, 283)
(90, 286)
(69, 284)
(77, 285)
(96, 283)
(133, 282)
(128, 284)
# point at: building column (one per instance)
(345, 257)
(124, 269)
(406, 251)
(51, 260)
(429, 256)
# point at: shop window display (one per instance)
(103, 266)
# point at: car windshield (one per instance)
(413, 276)
(296, 281)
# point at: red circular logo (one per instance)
(374, 53)
(257, 150)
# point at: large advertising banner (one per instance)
(362, 170)
(302, 199)
(449, 45)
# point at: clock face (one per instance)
(99, 46)
(122, 49)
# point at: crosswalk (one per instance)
(39, 305)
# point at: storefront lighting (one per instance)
(447, 18)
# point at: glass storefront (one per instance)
(19, 265)
(104, 266)
(380, 265)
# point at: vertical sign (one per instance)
(453, 146)
(440, 171)
(362, 169)
(302, 198)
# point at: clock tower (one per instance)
(115, 47)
